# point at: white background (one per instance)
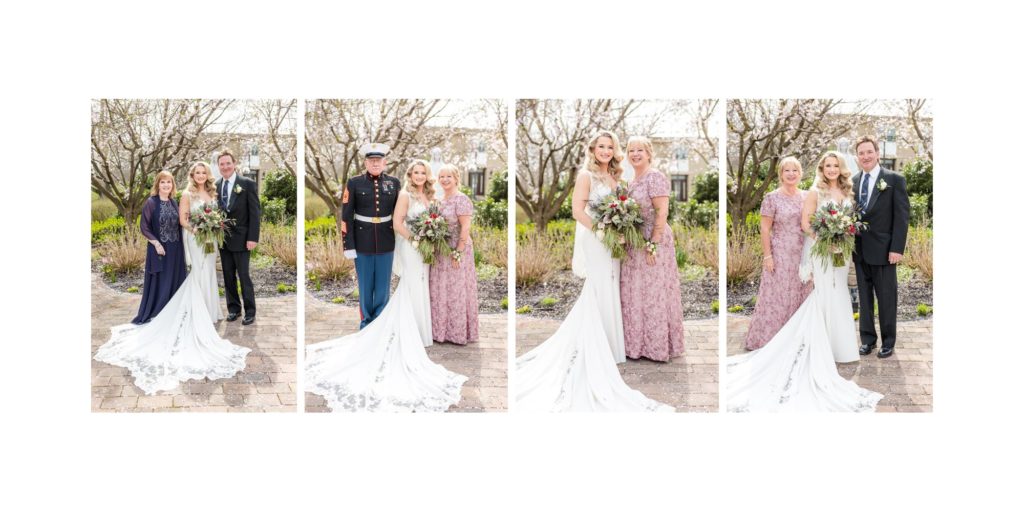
(55, 453)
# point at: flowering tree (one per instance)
(133, 140)
(278, 120)
(551, 138)
(762, 132)
(337, 128)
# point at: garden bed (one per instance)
(266, 274)
(913, 290)
(554, 298)
(491, 288)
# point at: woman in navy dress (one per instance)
(165, 253)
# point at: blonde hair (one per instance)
(784, 162)
(614, 166)
(209, 186)
(845, 182)
(156, 184)
(452, 169)
(428, 186)
(644, 143)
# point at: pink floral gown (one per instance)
(781, 291)
(652, 312)
(453, 305)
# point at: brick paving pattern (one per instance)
(485, 362)
(267, 384)
(905, 378)
(688, 382)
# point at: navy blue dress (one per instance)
(164, 274)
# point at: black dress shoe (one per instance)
(884, 353)
(232, 317)
(248, 320)
(866, 349)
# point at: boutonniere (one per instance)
(237, 189)
(882, 185)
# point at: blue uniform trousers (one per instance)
(374, 274)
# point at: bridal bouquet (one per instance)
(617, 221)
(835, 227)
(430, 234)
(210, 225)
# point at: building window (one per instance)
(680, 188)
(476, 183)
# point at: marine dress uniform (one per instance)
(369, 235)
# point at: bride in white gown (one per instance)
(180, 343)
(575, 369)
(384, 367)
(795, 371)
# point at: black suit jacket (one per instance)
(244, 208)
(888, 218)
(370, 197)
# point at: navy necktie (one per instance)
(864, 190)
(224, 195)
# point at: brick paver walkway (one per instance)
(266, 385)
(689, 382)
(905, 378)
(484, 362)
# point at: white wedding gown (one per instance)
(575, 369)
(384, 367)
(180, 343)
(795, 371)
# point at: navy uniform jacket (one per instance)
(370, 197)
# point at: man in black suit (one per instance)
(239, 197)
(882, 197)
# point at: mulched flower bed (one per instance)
(910, 293)
(264, 280)
(489, 292)
(565, 287)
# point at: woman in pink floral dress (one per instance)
(652, 312)
(453, 306)
(781, 291)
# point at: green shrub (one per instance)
(135, 289)
(491, 213)
(695, 214)
(547, 302)
(924, 310)
(705, 188)
(104, 230)
(714, 306)
(736, 309)
(524, 309)
(485, 272)
(499, 187)
(273, 211)
(102, 209)
(681, 257)
(280, 185)
(282, 288)
(504, 303)
(919, 215)
(338, 300)
(918, 174)
(322, 228)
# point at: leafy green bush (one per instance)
(918, 174)
(338, 300)
(696, 214)
(499, 187)
(274, 211)
(924, 310)
(919, 211)
(491, 213)
(282, 288)
(504, 303)
(547, 302)
(736, 309)
(714, 306)
(280, 184)
(102, 209)
(104, 230)
(321, 228)
(524, 309)
(705, 188)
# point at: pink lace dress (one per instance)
(454, 312)
(652, 312)
(781, 292)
